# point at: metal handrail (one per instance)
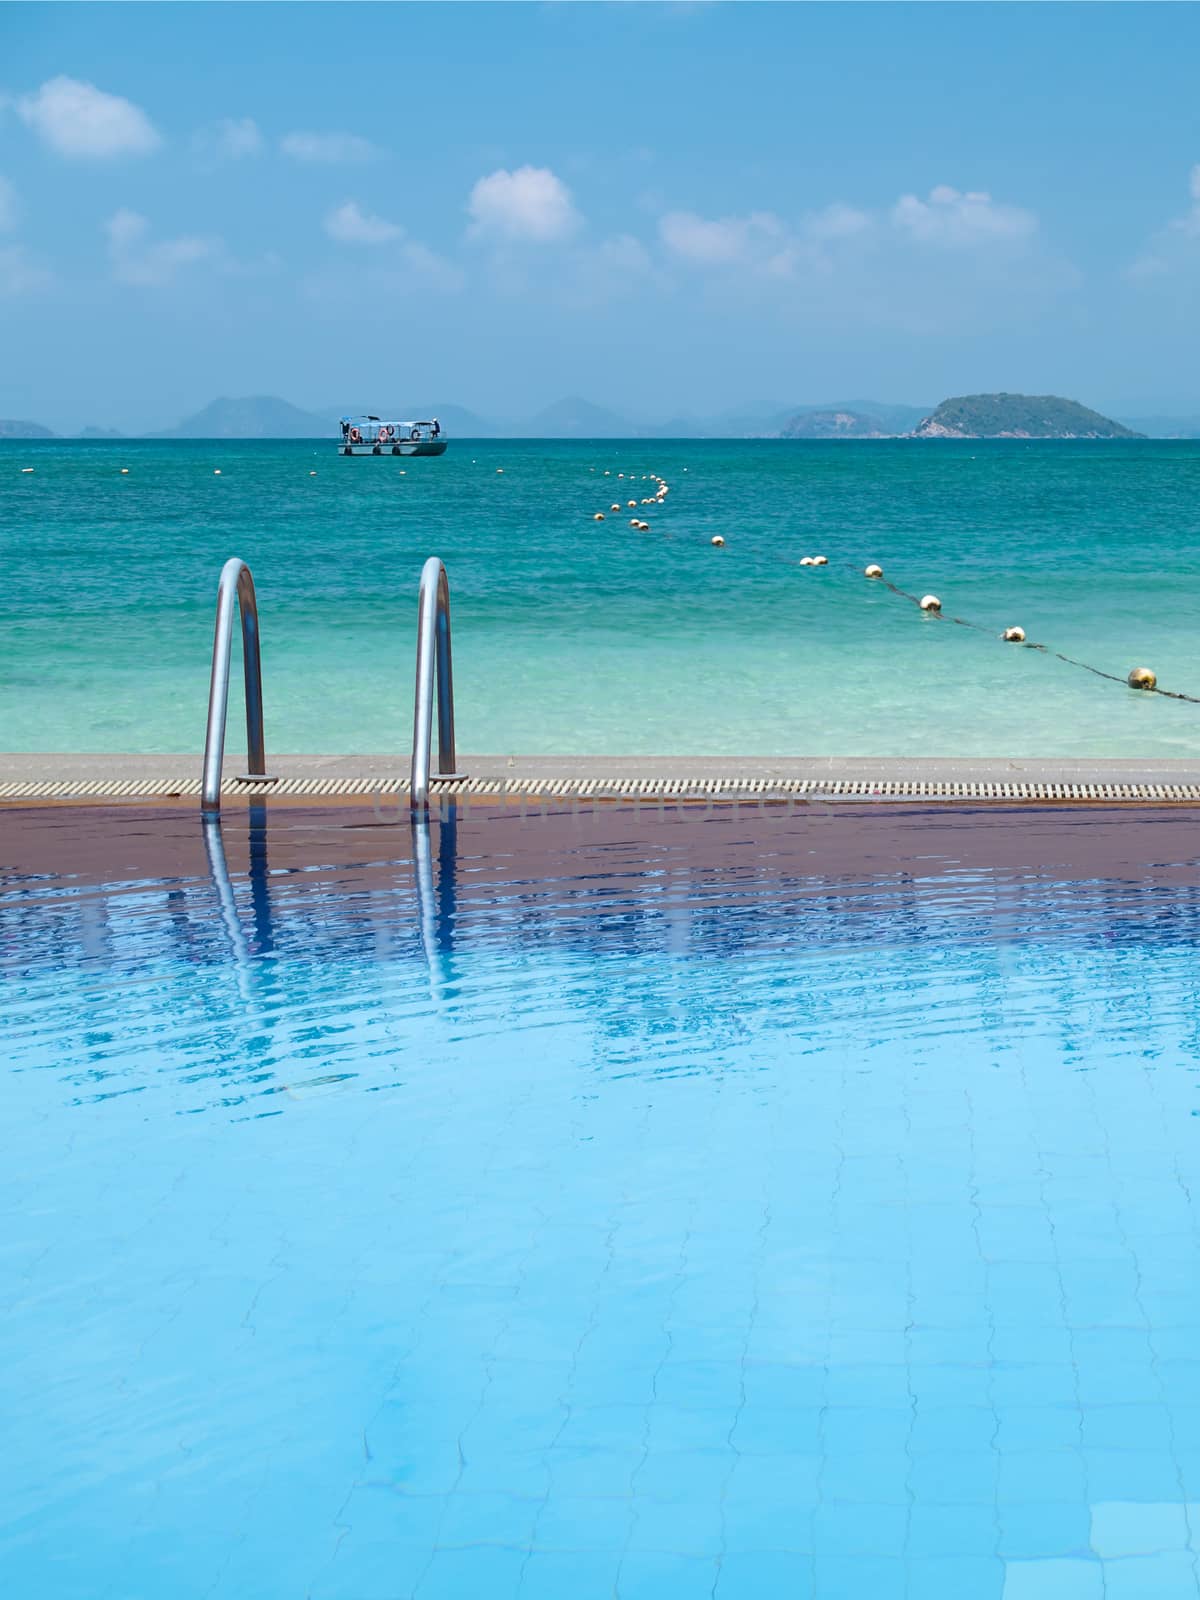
(236, 585)
(433, 649)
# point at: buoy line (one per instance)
(1140, 678)
(1133, 681)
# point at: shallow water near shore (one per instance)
(581, 637)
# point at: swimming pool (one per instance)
(734, 1203)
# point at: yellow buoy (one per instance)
(634, 523)
(1142, 678)
(717, 539)
(614, 507)
(873, 571)
(930, 602)
(633, 503)
(599, 517)
(1015, 635)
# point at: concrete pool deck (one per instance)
(32, 778)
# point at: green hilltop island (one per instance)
(1017, 416)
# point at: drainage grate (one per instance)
(613, 789)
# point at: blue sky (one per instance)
(664, 208)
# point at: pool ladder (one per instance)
(236, 588)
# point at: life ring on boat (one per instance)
(415, 434)
(355, 436)
(385, 433)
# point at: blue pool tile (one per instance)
(521, 1472)
(1130, 1427)
(941, 1530)
(1053, 1580)
(776, 1480)
(597, 1523)
(880, 1388)
(775, 1430)
(664, 1577)
(764, 1575)
(952, 1385)
(488, 1519)
(1043, 1529)
(1034, 1384)
(748, 1525)
(1162, 1577)
(959, 1477)
(1028, 1427)
(555, 1574)
(1138, 1528)
(1180, 1381)
(1145, 1475)
(679, 1527)
(784, 1386)
(697, 1475)
(584, 1471)
(846, 1428)
(952, 1428)
(859, 1578)
(491, 1570)
(867, 1477)
(979, 1577)
(1031, 1475)
(700, 1385)
(859, 1530)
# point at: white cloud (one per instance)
(350, 224)
(951, 261)
(230, 139)
(837, 221)
(950, 217)
(8, 206)
(1176, 245)
(328, 148)
(530, 203)
(139, 261)
(718, 242)
(828, 239)
(77, 119)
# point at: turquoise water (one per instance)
(728, 1208)
(585, 637)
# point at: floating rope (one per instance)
(1046, 650)
(876, 575)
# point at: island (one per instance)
(1017, 416)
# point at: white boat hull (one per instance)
(397, 447)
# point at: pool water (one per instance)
(738, 1203)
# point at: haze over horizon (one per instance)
(669, 210)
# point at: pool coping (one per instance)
(56, 778)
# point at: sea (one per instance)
(577, 636)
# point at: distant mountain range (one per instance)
(24, 430)
(967, 416)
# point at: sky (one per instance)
(669, 209)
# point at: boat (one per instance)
(373, 436)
